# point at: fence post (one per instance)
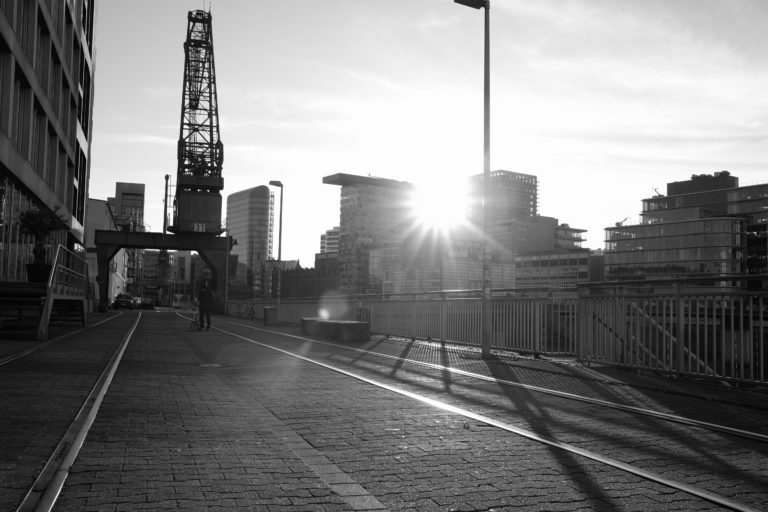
(679, 337)
(582, 323)
(537, 326)
(443, 315)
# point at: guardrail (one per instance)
(721, 335)
(718, 336)
(68, 280)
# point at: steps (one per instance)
(21, 305)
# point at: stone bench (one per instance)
(341, 330)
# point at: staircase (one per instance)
(27, 310)
(21, 307)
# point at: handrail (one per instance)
(68, 279)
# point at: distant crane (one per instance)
(197, 205)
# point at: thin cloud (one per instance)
(134, 138)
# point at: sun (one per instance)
(440, 206)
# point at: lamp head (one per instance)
(276, 183)
(475, 4)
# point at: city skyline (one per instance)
(603, 102)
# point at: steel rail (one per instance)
(46, 488)
(755, 436)
(689, 489)
(30, 350)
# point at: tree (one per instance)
(39, 224)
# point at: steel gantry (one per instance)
(197, 206)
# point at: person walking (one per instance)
(205, 301)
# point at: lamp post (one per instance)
(485, 342)
(276, 183)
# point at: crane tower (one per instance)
(197, 205)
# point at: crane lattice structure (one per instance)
(197, 205)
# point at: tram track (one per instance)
(755, 436)
(31, 350)
(504, 419)
(420, 381)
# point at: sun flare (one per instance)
(440, 206)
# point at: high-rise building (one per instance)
(250, 221)
(511, 195)
(46, 96)
(706, 226)
(128, 206)
(374, 214)
(329, 241)
(381, 252)
(128, 209)
(99, 215)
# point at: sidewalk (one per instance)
(203, 421)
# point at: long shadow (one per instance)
(502, 371)
(446, 363)
(541, 421)
(524, 401)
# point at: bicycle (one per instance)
(195, 323)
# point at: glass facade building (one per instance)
(250, 221)
(700, 230)
(512, 195)
(46, 93)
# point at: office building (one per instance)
(250, 221)
(46, 93)
(99, 215)
(374, 215)
(329, 241)
(128, 209)
(511, 195)
(706, 226)
(128, 206)
(421, 264)
(381, 252)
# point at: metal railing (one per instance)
(720, 336)
(68, 280)
(708, 333)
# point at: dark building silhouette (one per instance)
(705, 226)
(46, 99)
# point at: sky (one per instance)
(605, 101)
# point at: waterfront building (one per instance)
(128, 206)
(329, 241)
(374, 215)
(382, 251)
(99, 215)
(511, 195)
(46, 97)
(128, 209)
(250, 221)
(703, 227)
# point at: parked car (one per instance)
(124, 300)
(147, 303)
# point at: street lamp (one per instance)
(485, 341)
(276, 183)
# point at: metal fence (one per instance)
(715, 335)
(68, 281)
(720, 336)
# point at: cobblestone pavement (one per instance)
(205, 421)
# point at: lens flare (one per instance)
(440, 206)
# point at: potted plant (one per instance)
(39, 224)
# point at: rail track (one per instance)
(719, 464)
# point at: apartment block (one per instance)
(707, 226)
(250, 221)
(46, 96)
